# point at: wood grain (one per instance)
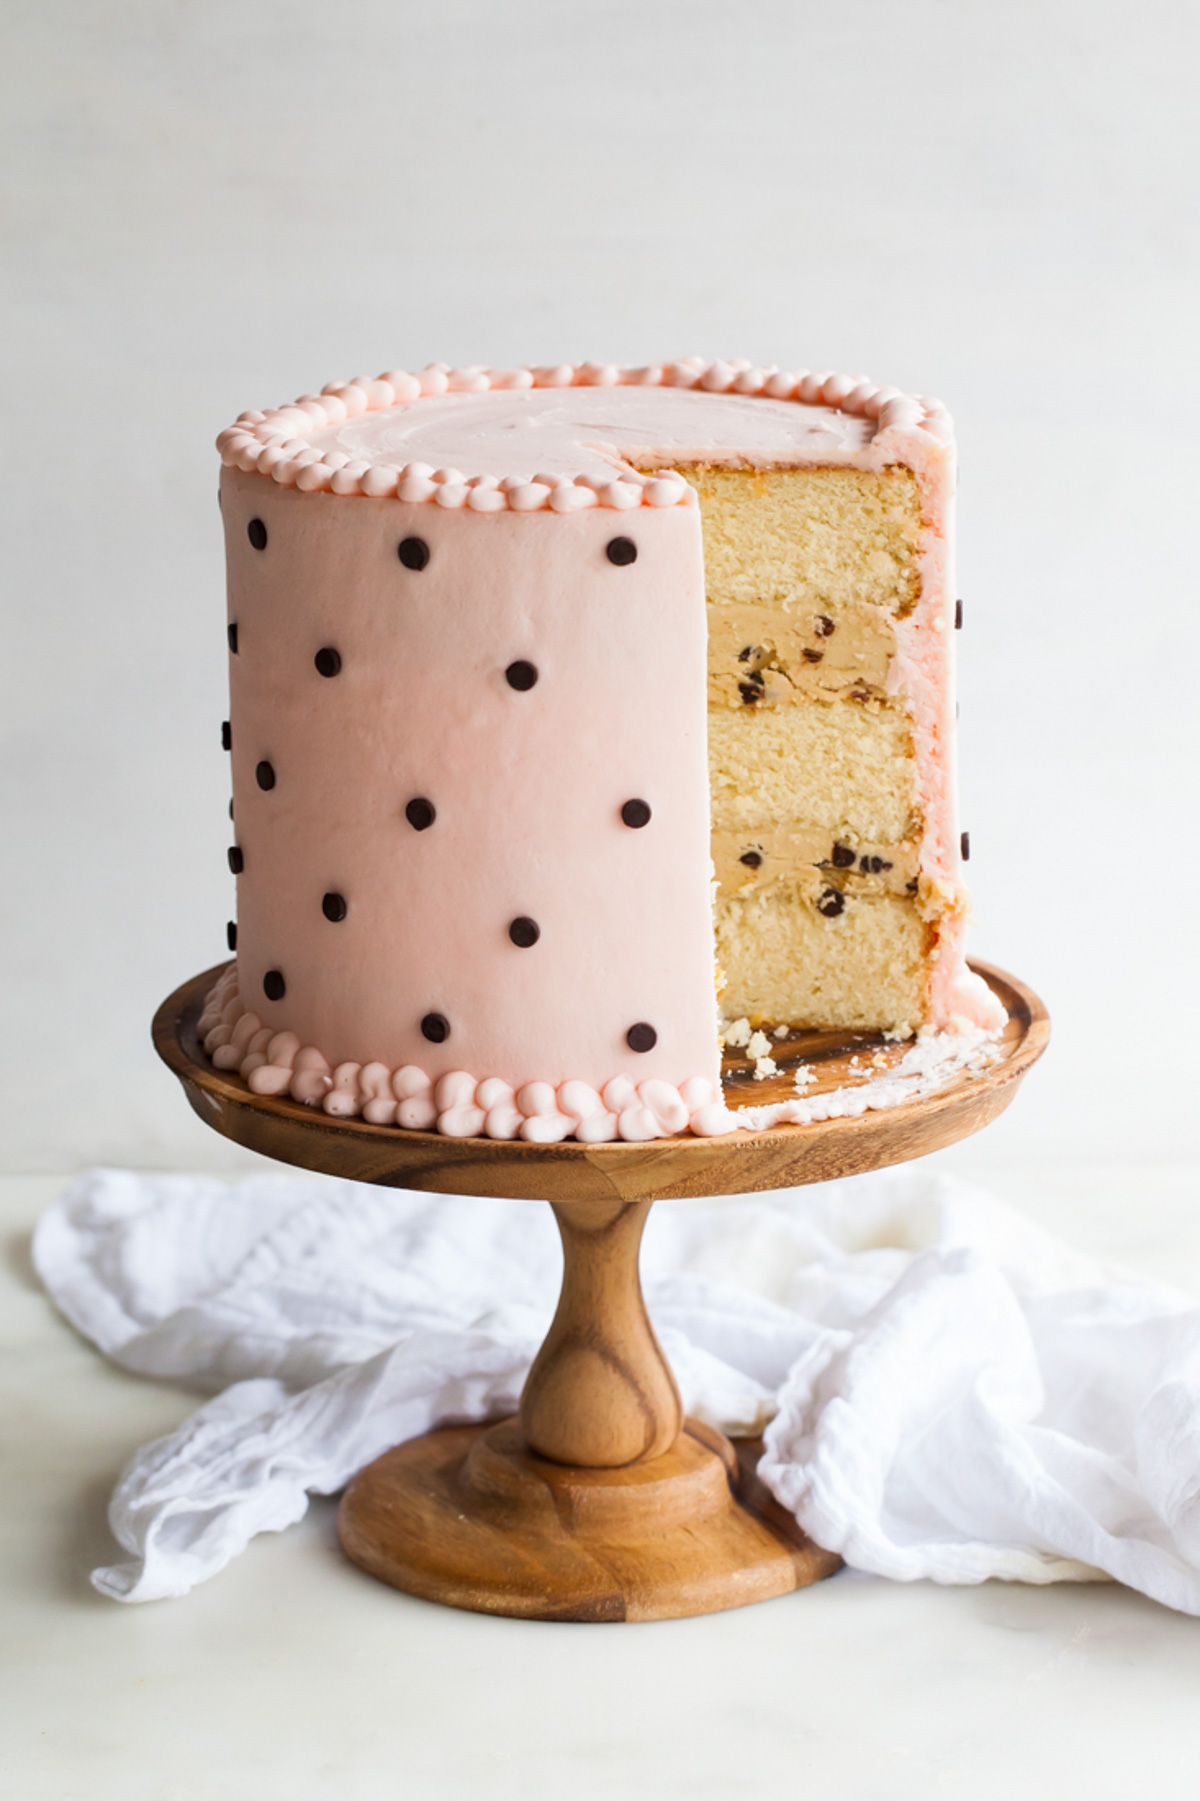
(470, 1517)
(741, 1164)
(600, 1394)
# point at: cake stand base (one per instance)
(599, 1502)
(470, 1517)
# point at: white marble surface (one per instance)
(293, 1676)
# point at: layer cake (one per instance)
(553, 688)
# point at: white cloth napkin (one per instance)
(951, 1392)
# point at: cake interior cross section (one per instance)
(642, 735)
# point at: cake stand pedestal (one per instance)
(599, 1501)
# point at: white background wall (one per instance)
(214, 205)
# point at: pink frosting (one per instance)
(528, 786)
(456, 1104)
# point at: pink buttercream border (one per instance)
(458, 1104)
(278, 443)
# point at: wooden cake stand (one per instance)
(599, 1501)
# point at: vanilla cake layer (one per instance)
(516, 658)
(810, 538)
(846, 767)
(864, 969)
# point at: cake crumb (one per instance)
(764, 1066)
(759, 1046)
(925, 1067)
(780, 1032)
(737, 1036)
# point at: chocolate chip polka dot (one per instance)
(231, 934)
(964, 846)
(435, 1027)
(521, 676)
(264, 775)
(635, 814)
(274, 986)
(414, 554)
(256, 531)
(236, 860)
(641, 1037)
(621, 551)
(420, 814)
(226, 735)
(328, 661)
(231, 634)
(333, 906)
(524, 932)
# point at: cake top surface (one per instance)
(569, 432)
(574, 435)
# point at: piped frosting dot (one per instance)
(379, 482)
